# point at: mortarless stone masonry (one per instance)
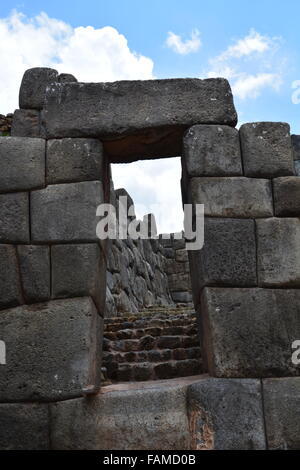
(55, 273)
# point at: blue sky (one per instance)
(255, 44)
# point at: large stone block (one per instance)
(212, 151)
(249, 332)
(79, 270)
(10, 286)
(153, 418)
(278, 252)
(26, 123)
(297, 167)
(24, 427)
(14, 218)
(74, 160)
(282, 413)
(226, 414)
(233, 197)
(33, 87)
(66, 212)
(35, 272)
(137, 119)
(228, 257)
(287, 196)
(22, 163)
(266, 149)
(296, 146)
(53, 350)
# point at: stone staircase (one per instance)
(157, 343)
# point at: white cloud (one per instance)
(250, 44)
(250, 86)
(178, 45)
(146, 183)
(90, 54)
(251, 64)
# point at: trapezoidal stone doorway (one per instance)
(245, 281)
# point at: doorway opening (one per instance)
(150, 326)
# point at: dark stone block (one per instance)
(287, 196)
(212, 151)
(72, 160)
(33, 87)
(26, 123)
(53, 350)
(226, 415)
(113, 113)
(282, 413)
(267, 149)
(79, 270)
(14, 218)
(10, 286)
(22, 164)
(66, 212)
(249, 332)
(35, 272)
(24, 427)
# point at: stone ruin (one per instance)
(55, 272)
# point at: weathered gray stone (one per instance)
(74, 160)
(22, 163)
(66, 77)
(181, 255)
(35, 272)
(233, 197)
(10, 286)
(179, 281)
(297, 167)
(182, 297)
(26, 123)
(226, 414)
(212, 151)
(33, 87)
(278, 252)
(14, 218)
(287, 196)
(24, 427)
(228, 257)
(249, 332)
(296, 146)
(282, 413)
(53, 350)
(66, 212)
(267, 149)
(113, 112)
(79, 270)
(146, 418)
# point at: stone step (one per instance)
(152, 312)
(143, 371)
(144, 323)
(153, 355)
(151, 342)
(135, 333)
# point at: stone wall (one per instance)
(176, 265)
(145, 273)
(5, 124)
(53, 269)
(245, 281)
(136, 277)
